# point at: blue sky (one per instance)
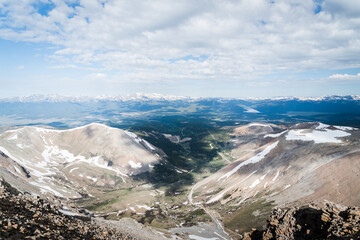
(244, 48)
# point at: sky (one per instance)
(205, 48)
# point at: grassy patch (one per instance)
(101, 205)
(243, 219)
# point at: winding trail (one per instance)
(208, 211)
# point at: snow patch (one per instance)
(68, 213)
(275, 135)
(133, 135)
(17, 170)
(276, 176)
(19, 145)
(257, 158)
(144, 206)
(322, 126)
(46, 189)
(217, 198)
(91, 178)
(135, 164)
(259, 125)
(148, 145)
(344, 128)
(73, 169)
(255, 183)
(13, 137)
(263, 176)
(324, 136)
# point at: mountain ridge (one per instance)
(81, 154)
(55, 98)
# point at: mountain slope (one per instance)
(23, 216)
(63, 161)
(278, 165)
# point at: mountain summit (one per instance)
(59, 161)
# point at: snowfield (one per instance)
(257, 158)
(323, 136)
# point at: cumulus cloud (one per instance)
(163, 40)
(343, 77)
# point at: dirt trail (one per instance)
(208, 211)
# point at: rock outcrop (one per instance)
(316, 221)
(23, 216)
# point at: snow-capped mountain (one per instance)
(53, 98)
(275, 165)
(60, 161)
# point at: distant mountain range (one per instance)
(162, 97)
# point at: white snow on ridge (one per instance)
(344, 128)
(73, 169)
(16, 169)
(69, 213)
(139, 140)
(133, 135)
(46, 189)
(144, 206)
(256, 182)
(135, 164)
(148, 145)
(217, 198)
(263, 176)
(259, 125)
(275, 135)
(13, 137)
(323, 126)
(325, 136)
(258, 157)
(68, 157)
(276, 176)
(93, 179)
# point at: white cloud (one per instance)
(97, 76)
(243, 40)
(21, 67)
(345, 77)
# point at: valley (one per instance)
(187, 173)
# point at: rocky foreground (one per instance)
(317, 221)
(23, 216)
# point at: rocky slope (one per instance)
(65, 162)
(317, 221)
(282, 165)
(24, 216)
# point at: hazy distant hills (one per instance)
(127, 111)
(161, 97)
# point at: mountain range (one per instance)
(161, 97)
(265, 166)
